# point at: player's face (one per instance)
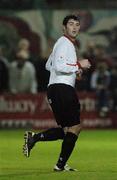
(72, 28)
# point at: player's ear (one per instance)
(64, 29)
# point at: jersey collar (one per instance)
(74, 42)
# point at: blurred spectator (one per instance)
(22, 74)
(82, 83)
(102, 56)
(113, 87)
(100, 82)
(24, 44)
(89, 54)
(4, 72)
(42, 74)
(112, 38)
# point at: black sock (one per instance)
(49, 135)
(67, 148)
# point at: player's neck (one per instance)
(73, 40)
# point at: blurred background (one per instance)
(28, 31)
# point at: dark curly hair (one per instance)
(68, 17)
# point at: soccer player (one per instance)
(64, 66)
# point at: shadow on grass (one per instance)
(48, 173)
(37, 172)
(27, 173)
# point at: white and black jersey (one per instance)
(62, 63)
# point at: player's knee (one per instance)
(78, 129)
(75, 129)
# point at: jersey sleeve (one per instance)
(62, 60)
(48, 65)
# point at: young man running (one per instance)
(64, 67)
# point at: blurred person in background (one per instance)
(113, 87)
(64, 67)
(96, 54)
(100, 82)
(24, 44)
(112, 38)
(89, 53)
(4, 72)
(22, 74)
(42, 75)
(38, 62)
(101, 55)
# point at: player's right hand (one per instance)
(85, 64)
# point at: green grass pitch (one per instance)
(95, 156)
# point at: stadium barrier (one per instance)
(33, 111)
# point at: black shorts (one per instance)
(65, 104)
